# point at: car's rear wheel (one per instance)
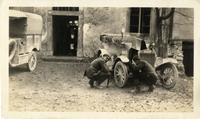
(120, 74)
(32, 62)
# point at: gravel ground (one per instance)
(58, 86)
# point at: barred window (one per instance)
(66, 8)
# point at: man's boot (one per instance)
(138, 90)
(151, 88)
(91, 82)
(98, 85)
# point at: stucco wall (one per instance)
(183, 24)
(98, 21)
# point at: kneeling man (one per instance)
(146, 73)
(98, 71)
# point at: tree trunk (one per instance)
(163, 19)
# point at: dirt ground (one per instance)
(58, 86)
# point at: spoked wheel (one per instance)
(120, 74)
(169, 74)
(32, 62)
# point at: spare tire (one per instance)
(12, 48)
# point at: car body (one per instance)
(25, 34)
(121, 48)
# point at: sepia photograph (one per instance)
(101, 59)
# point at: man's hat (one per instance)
(106, 57)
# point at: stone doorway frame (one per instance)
(80, 15)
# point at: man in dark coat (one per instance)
(98, 71)
(146, 73)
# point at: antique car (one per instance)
(122, 47)
(25, 35)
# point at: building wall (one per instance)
(95, 21)
(183, 24)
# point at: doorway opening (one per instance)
(65, 35)
(188, 54)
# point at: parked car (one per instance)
(25, 34)
(121, 48)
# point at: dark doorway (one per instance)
(65, 35)
(188, 51)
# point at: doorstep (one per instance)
(64, 59)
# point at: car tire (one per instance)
(170, 74)
(120, 74)
(32, 61)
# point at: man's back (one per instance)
(145, 67)
(98, 63)
(97, 71)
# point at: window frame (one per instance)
(139, 25)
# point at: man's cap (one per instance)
(106, 56)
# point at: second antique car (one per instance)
(122, 47)
(25, 37)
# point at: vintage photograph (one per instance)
(101, 59)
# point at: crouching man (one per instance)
(146, 73)
(98, 71)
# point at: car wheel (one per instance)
(120, 74)
(169, 74)
(32, 62)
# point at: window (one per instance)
(140, 20)
(66, 8)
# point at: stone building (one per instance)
(183, 37)
(75, 32)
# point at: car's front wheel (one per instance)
(120, 74)
(169, 75)
(32, 62)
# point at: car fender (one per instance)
(13, 49)
(161, 61)
(124, 59)
(102, 52)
